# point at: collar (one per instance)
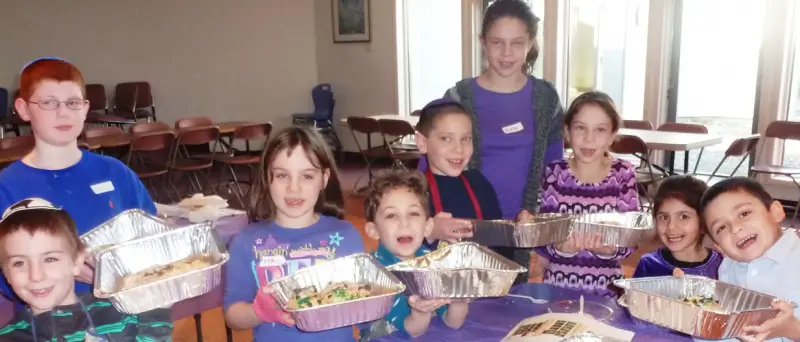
(778, 253)
(387, 258)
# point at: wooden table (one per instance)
(13, 154)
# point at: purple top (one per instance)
(563, 193)
(265, 251)
(661, 263)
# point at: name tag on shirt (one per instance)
(513, 128)
(272, 260)
(101, 188)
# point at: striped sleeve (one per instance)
(629, 193)
(155, 325)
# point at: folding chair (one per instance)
(633, 145)
(394, 132)
(742, 147)
(781, 130)
(367, 126)
(685, 128)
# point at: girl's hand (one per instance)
(525, 215)
(445, 227)
(783, 325)
(573, 245)
(594, 243)
(426, 306)
(677, 272)
(267, 308)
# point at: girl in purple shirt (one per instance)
(516, 117)
(589, 181)
(681, 231)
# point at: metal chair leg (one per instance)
(198, 325)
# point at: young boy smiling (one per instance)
(397, 216)
(745, 222)
(41, 255)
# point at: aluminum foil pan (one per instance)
(615, 229)
(589, 337)
(114, 263)
(128, 225)
(357, 268)
(544, 229)
(461, 270)
(658, 300)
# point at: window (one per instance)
(608, 51)
(537, 6)
(704, 75)
(433, 50)
(791, 150)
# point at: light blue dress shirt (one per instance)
(775, 273)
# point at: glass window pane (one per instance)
(608, 51)
(434, 49)
(791, 150)
(710, 94)
(537, 6)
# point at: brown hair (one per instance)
(687, 189)
(390, 180)
(436, 110)
(54, 222)
(520, 10)
(330, 201)
(595, 98)
(48, 69)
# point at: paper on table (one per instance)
(554, 327)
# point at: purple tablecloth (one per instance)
(492, 319)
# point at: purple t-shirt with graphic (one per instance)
(265, 251)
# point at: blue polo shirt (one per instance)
(396, 319)
(92, 191)
(773, 273)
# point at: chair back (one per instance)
(153, 141)
(253, 131)
(197, 121)
(322, 96)
(743, 146)
(395, 128)
(363, 125)
(147, 127)
(96, 132)
(96, 94)
(637, 124)
(630, 144)
(198, 135)
(17, 141)
(683, 128)
(785, 130)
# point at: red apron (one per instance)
(437, 200)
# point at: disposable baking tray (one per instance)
(615, 229)
(461, 270)
(126, 226)
(659, 300)
(544, 229)
(114, 263)
(358, 269)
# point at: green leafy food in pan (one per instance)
(708, 303)
(333, 293)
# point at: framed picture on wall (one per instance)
(351, 21)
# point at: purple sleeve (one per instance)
(548, 200)
(554, 152)
(629, 194)
(240, 281)
(422, 165)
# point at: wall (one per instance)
(255, 60)
(363, 75)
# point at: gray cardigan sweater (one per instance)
(549, 122)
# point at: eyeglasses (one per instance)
(75, 104)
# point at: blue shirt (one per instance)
(92, 191)
(400, 309)
(662, 263)
(775, 273)
(265, 251)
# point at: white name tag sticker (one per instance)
(513, 128)
(101, 188)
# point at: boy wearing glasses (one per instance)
(90, 187)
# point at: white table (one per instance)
(655, 140)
